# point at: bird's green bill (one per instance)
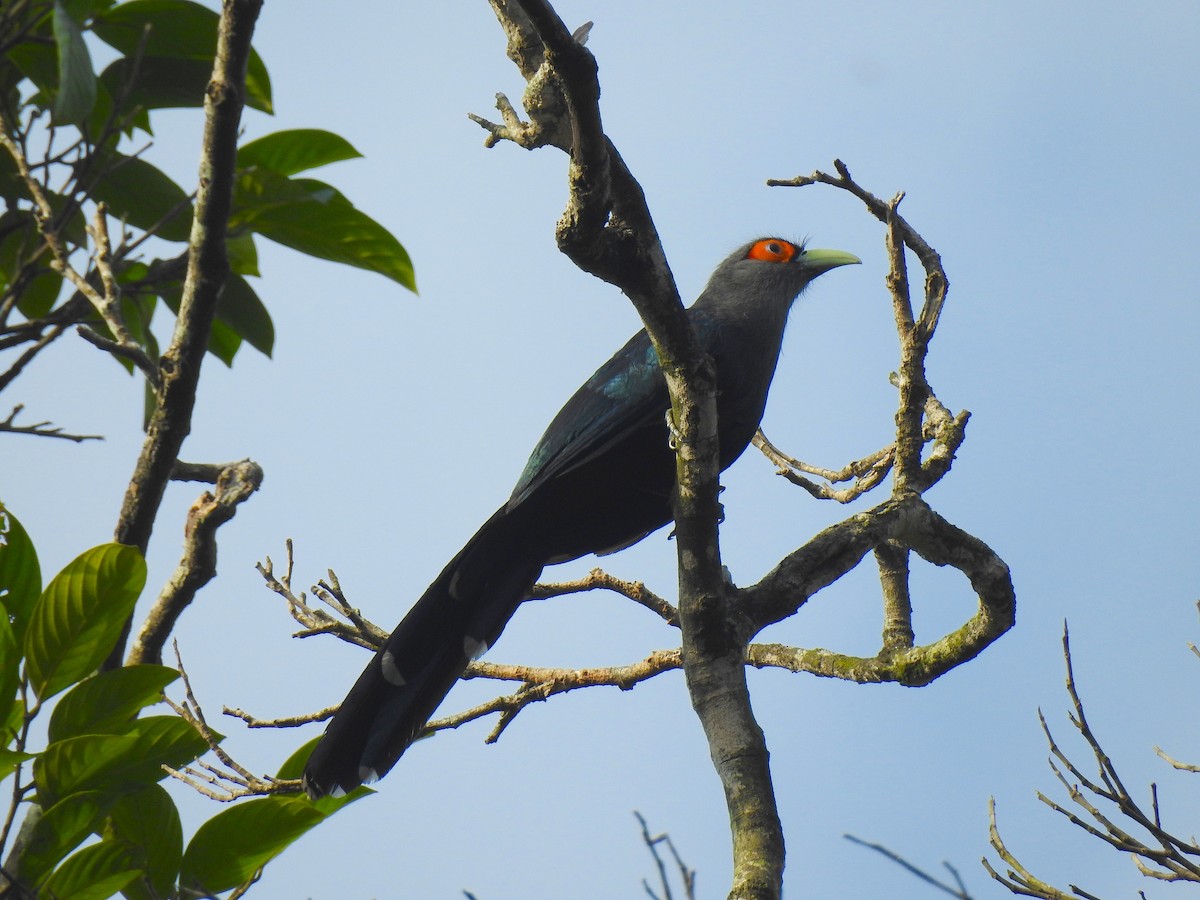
(824, 260)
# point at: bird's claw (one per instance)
(674, 437)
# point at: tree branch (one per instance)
(208, 267)
(607, 231)
(543, 683)
(198, 565)
(1165, 857)
(598, 579)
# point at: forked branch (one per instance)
(1104, 808)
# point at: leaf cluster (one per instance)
(77, 141)
(104, 824)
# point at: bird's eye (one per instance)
(773, 250)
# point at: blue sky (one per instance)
(1047, 152)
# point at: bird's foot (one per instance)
(673, 434)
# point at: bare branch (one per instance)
(43, 339)
(355, 630)
(198, 565)
(209, 473)
(686, 875)
(110, 305)
(129, 351)
(909, 523)
(915, 335)
(867, 472)
(607, 230)
(235, 780)
(1176, 764)
(42, 429)
(251, 721)
(537, 685)
(598, 579)
(543, 683)
(1165, 857)
(878, 208)
(1018, 879)
(959, 891)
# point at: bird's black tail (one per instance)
(457, 618)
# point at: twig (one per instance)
(1017, 878)
(357, 630)
(1173, 859)
(105, 302)
(915, 334)
(598, 579)
(282, 722)
(234, 780)
(868, 472)
(686, 875)
(959, 891)
(1176, 764)
(543, 683)
(43, 429)
(130, 351)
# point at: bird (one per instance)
(600, 479)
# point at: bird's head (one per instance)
(774, 268)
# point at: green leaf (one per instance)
(143, 196)
(160, 82)
(10, 675)
(114, 763)
(10, 759)
(180, 32)
(12, 186)
(106, 703)
(168, 28)
(240, 309)
(314, 218)
(223, 342)
(243, 255)
(58, 831)
(231, 846)
(148, 821)
(94, 873)
(161, 740)
(76, 78)
(20, 575)
(340, 234)
(82, 10)
(297, 150)
(39, 294)
(79, 763)
(37, 61)
(79, 616)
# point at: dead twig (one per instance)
(1159, 855)
(42, 429)
(958, 890)
(221, 784)
(687, 876)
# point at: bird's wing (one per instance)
(626, 393)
